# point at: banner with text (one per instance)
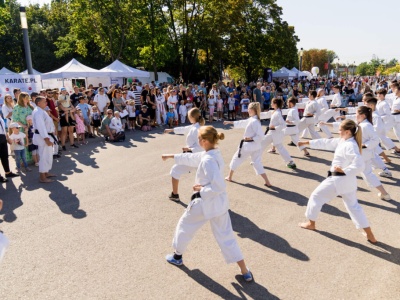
(26, 83)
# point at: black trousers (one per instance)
(4, 157)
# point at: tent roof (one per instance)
(295, 70)
(35, 72)
(122, 70)
(75, 69)
(283, 72)
(5, 71)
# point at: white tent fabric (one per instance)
(5, 71)
(74, 69)
(119, 69)
(284, 73)
(299, 73)
(35, 72)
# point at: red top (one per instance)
(50, 104)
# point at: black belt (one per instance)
(187, 151)
(364, 147)
(268, 129)
(241, 145)
(334, 107)
(50, 134)
(290, 125)
(195, 195)
(308, 116)
(335, 174)
(397, 113)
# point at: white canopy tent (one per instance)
(284, 73)
(74, 69)
(119, 69)
(299, 73)
(35, 72)
(5, 71)
(63, 76)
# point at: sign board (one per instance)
(26, 83)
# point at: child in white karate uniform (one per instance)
(192, 145)
(209, 203)
(346, 165)
(275, 133)
(183, 112)
(250, 145)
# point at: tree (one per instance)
(317, 58)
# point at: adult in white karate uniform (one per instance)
(250, 145)
(275, 133)
(192, 145)
(346, 165)
(209, 202)
(312, 111)
(370, 141)
(43, 125)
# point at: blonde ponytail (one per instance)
(358, 137)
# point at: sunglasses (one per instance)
(109, 113)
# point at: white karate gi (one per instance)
(212, 206)
(396, 118)
(192, 142)
(312, 108)
(379, 127)
(253, 150)
(44, 125)
(276, 136)
(383, 109)
(183, 113)
(371, 140)
(293, 132)
(116, 124)
(347, 156)
(325, 115)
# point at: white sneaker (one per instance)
(384, 197)
(386, 174)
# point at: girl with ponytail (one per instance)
(370, 143)
(192, 145)
(209, 202)
(346, 165)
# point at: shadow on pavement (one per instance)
(11, 196)
(380, 250)
(395, 209)
(247, 229)
(299, 172)
(296, 198)
(252, 289)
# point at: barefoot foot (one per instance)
(228, 179)
(307, 225)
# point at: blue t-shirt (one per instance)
(267, 98)
(84, 108)
(237, 99)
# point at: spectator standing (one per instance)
(18, 140)
(4, 139)
(85, 109)
(102, 101)
(257, 97)
(7, 108)
(75, 96)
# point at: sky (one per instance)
(354, 30)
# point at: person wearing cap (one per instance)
(44, 139)
(19, 142)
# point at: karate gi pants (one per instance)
(370, 178)
(396, 129)
(325, 192)
(311, 127)
(178, 170)
(255, 159)
(221, 227)
(46, 156)
(387, 142)
(377, 162)
(295, 140)
(279, 147)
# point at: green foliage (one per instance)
(193, 38)
(317, 58)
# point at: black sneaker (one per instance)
(91, 136)
(291, 144)
(2, 179)
(74, 146)
(56, 156)
(11, 175)
(174, 197)
(64, 148)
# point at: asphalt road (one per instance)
(103, 229)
